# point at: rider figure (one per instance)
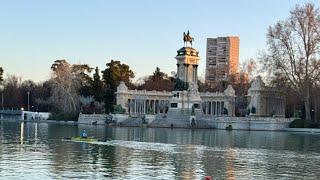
(83, 134)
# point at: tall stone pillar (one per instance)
(187, 62)
(186, 72)
(196, 73)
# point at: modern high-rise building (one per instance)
(222, 58)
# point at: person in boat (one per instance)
(83, 134)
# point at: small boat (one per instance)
(82, 139)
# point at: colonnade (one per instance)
(188, 72)
(215, 108)
(274, 106)
(147, 106)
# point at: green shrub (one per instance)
(312, 125)
(297, 123)
(118, 109)
(301, 123)
(63, 117)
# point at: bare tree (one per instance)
(65, 89)
(12, 92)
(293, 50)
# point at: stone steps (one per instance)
(132, 122)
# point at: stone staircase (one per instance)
(172, 118)
(131, 122)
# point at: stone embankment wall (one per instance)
(120, 117)
(99, 119)
(185, 121)
(132, 121)
(240, 123)
(251, 123)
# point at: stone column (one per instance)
(186, 72)
(193, 78)
(147, 106)
(196, 73)
(178, 70)
(135, 106)
(142, 107)
(212, 107)
(222, 107)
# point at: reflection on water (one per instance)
(230, 155)
(21, 132)
(32, 150)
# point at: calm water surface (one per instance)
(38, 151)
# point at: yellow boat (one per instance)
(88, 139)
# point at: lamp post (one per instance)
(2, 89)
(28, 100)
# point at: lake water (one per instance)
(38, 151)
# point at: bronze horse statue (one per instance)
(187, 38)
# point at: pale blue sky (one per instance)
(141, 33)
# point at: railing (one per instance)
(11, 112)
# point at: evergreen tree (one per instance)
(159, 81)
(112, 75)
(1, 75)
(97, 86)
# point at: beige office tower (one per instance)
(222, 58)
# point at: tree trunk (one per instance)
(316, 108)
(307, 105)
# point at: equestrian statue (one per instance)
(187, 38)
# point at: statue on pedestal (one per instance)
(187, 38)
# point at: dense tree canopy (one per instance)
(159, 81)
(114, 73)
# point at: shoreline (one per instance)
(62, 122)
(308, 130)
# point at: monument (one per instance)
(187, 61)
(187, 107)
(265, 101)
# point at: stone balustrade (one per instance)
(99, 119)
